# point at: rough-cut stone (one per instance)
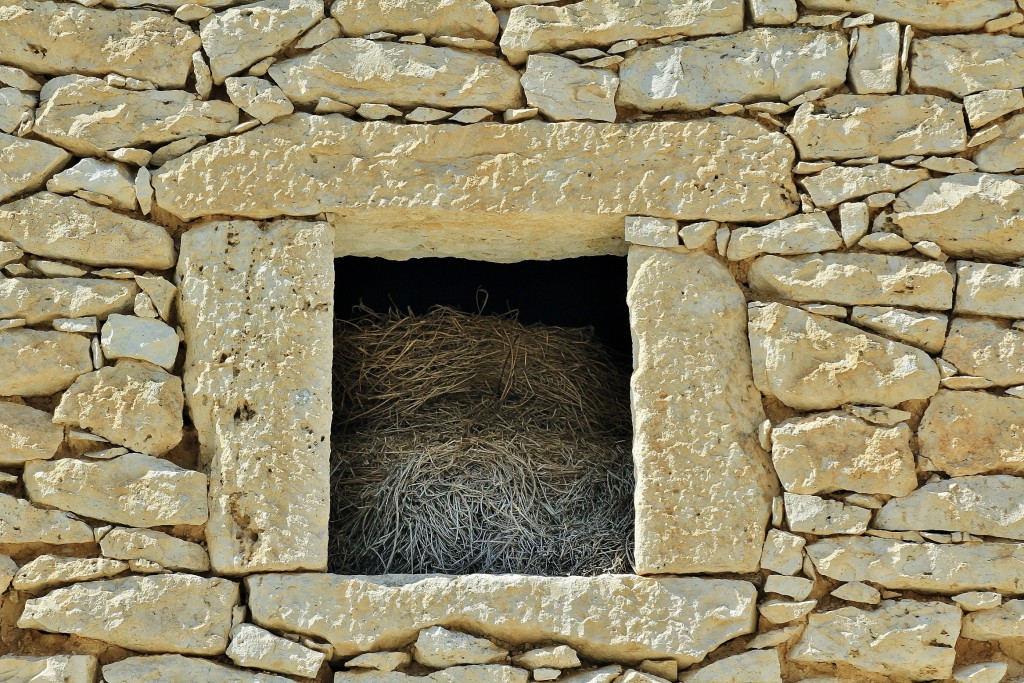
(563, 91)
(438, 648)
(132, 489)
(982, 505)
(1005, 621)
(26, 164)
(166, 613)
(113, 181)
(758, 666)
(971, 432)
(795, 587)
(669, 618)
(133, 404)
(986, 348)
(966, 64)
(55, 669)
(603, 22)
(783, 552)
(899, 638)
(978, 600)
(21, 523)
(179, 669)
(703, 490)
(552, 656)
(27, 433)
(54, 226)
(49, 571)
(821, 516)
(924, 330)
(858, 592)
(875, 61)
(39, 362)
(161, 292)
(127, 336)
(989, 289)
(380, 661)
(258, 98)
(60, 38)
(457, 18)
(804, 233)
(256, 648)
(989, 105)
(16, 110)
(155, 546)
(852, 126)
(835, 451)
(756, 65)
(256, 308)
(40, 300)
(239, 37)
(811, 362)
(358, 71)
(1006, 153)
(854, 279)
(474, 673)
(925, 567)
(837, 184)
(72, 115)
(930, 15)
(968, 215)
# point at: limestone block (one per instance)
(53, 226)
(437, 647)
(358, 71)
(899, 638)
(930, 15)
(987, 348)
(114, 182)
(16, 110)
(852, 279)
(858, 592)
(989, 105)
(21, 523)
(161, 292)
(795, 587)
(852, 126)
(56, 38)
(837, 184)
(668, 618)
(971, 432)
(155, 546)
(41, 300)
(924, 567)
(458, 18)
(752, 66)
(179, 669)
(163, 613)
(924, 330)
(256, 307)
(132, 404)
(239, 37)
(552, 656)
(835, 451)
(784, 611)
(973, 215)
(1006, 152)
(965, 64)
(814, 515)
(804, 233)
(127, 336)
(380, 661)
(978, 600)
(571, 174)
(783, 552)
(55, 669)
(27, 434)
(132, 489)
(704, 488)
(773, 12)
(476, 673)
(757, 666)
(981, 505)
(989, 289)
(596, 23)
(875, 61)
(39, 362)
(258, 98)
(26, 164)
(652, 232)
(1004, 621)
(810, 362)
(253, 647)
(50, 571)
(605, 674)
(562, 90)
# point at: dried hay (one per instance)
(473, 443)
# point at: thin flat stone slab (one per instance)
(837, 184)
(56, 669)
(973, 432)
(70, 228)
(41, 362)
(27, 434)
(49, 571)
(252, 646)
(986, 348)
(458, 18)
(163, 613)
(1006, 153)
(924, 567)
(703, 483)
(898, 638)
(155, 546)
(71, 114)
(966, 64)
(854, 279)
(989, 289)
(810, 362)
(358, 71)
(667, 618)
(55, 38)
(1002, 622)
(40, 300)
(180, 669)
(27, 164)
(752, 66)
(853, 126)
(22, 523)
(598, 23)
(530, 177)
(804, 233)
(931, 15)
(257, 311)
(969, 215)
(917, 328)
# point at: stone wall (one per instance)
(823, 209)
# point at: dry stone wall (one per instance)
(822, 202)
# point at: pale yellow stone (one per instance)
(256, 648)
(258, 98)
(55, 669)
(822, 516)
(563, 91)
(969, 432)
(759, 666)
(989, 289)
(795, 587)
(784, 611)
(155, 546)
(930, 15)
(380, 661)
(983, 505)
(37, 300)
(554, 656)
(986, 672)
(783, 552)
(978, 600)
(128, 336)
(26, 164)
(458, 18)
(179, 669)
(1005, 621)
(27, 434)
(161, 292)
(39, 362)
(1006, 152)
(858, 592)
(49, 571)
(804, 233)
(113, 181)
(23, 523)
(875, 59)
(986, 348)
(965, 64)
(837, 184)
(925, 330)
(438, 648)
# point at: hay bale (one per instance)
(473, 443)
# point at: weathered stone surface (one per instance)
(71, 114)
(113, 181)
(474, 673)
(804, 233)
(930, 15)
(875, 61)
(966, 64)
(852, 126)
(551, 656)
(986, 348)
(571, 174)
(253, 647)
(1005, 153)
(458, 18)
(53, 226)
(55, 669)
(989, 289)
(261, 297)
(26, 164)
(989, 105)
(670, 618)
(155, 546)
(358, 71)
(854, 279)
(982, 505)
(821, 516)
(974, 215)
(752, 66)
(835, 451)
(704, 489)
(165, 613)
(439, 648)
(132, 489)
(783, 552)
(1005, 621)
(60, 38)
(132, 404)
(971, 432)
(924, 330)
(50, 571)
(21, 522)
(179, 669)
(926, 567)
(40, 300)
(562, 90)
(40, 363)
(837, 184)
(810, 362)
(380, 661)
(27, 434)
(899, 638)
(258, 98)
(603, 22)
(127, 336)
(16, 109)
(758, 666)
(239, 37)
